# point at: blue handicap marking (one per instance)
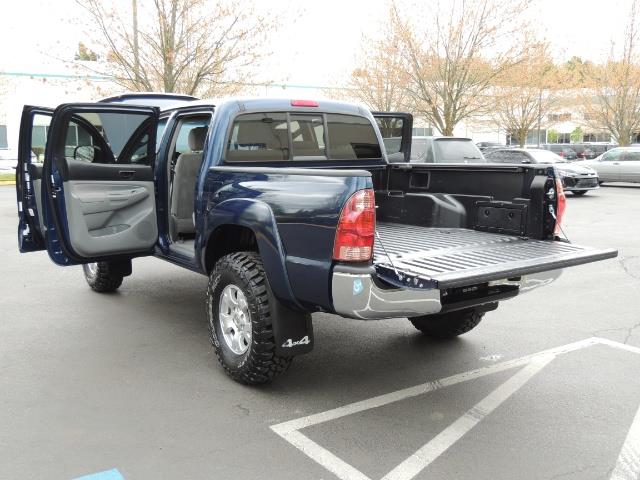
(113, 474)
(357, 286)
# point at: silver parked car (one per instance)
(576, 178)
(620, 164)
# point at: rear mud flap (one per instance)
(293, 330)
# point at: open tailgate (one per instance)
(422, 257)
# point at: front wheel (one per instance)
(240, 323)
(101, 277)
(448, 325)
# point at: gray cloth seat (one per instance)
(185, 177)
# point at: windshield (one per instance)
(418, 149)
(546, 156)
(457, 151)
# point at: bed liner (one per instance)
(423, 257)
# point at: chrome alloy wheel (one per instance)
(235, 320)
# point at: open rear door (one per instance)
(396, 129)
(32, 143)
(99, 195)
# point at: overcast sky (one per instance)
(317, 42)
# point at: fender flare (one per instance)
(258, 217)
(290, 320)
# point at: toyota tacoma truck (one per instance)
(289, 207)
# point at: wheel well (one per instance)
(228, 239)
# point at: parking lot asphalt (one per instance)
(128, 381)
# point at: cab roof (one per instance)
(173, 101)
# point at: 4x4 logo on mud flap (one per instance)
(290, 343)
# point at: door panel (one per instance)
(396, 129)
(106, 218)
(609, 167)
(100, 182)
(629, 169)
(34, 126)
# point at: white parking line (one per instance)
(290, 430)
(413, 465)
(628, 464)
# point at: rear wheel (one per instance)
(101, 277)
(580, 193)
(240, 320)
(448, 325)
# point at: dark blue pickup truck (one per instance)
(289, 207)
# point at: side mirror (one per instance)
(86, 153)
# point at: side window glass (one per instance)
(261, 137)
(162, 124)
(106, 137)
(391, 131)
(39, 132)
(611, 156)
(189, 137)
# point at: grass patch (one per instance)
(7, 177)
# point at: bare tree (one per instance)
(454, 57)
(380, 79)
(195, 47)
(525, 94)
(613, 102)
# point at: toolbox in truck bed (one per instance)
(423, 257)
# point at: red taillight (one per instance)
(561, 154)
(356, 228)
(304, 103)
(561, 206)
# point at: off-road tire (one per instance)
(448, 325)
(259, 364)
(580, 193)
(101, 279)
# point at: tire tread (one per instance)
(448, 325)
(263, 364)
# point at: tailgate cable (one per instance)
(388, 256)
(552, 211)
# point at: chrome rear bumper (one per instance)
(357, 295)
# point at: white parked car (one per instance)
(8, 160)
(620, 164)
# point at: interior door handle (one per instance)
(126, 173)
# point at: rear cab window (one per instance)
(289, 136)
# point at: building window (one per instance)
(596, 137)
(559, 117)
(422, 132)
(3, 137)
(532, 137)
(564, 138)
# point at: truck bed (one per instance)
(424, 257)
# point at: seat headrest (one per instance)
(259, 132)
(196, 138)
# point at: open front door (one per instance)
(32, 143)
(396, 129)
(99, 195)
